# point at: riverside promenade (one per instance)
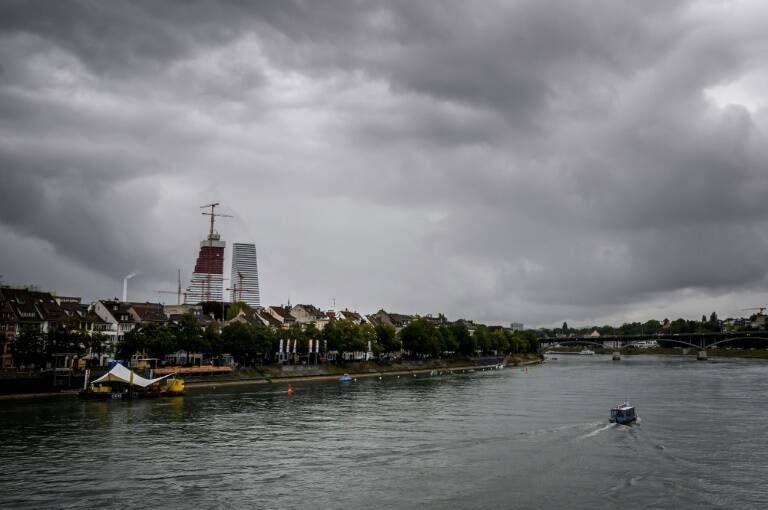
(378, 372)
(309, 373)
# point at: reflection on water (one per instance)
(507, 439)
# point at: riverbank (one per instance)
(305, 373)
(370, 371)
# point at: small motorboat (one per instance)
(346, 378)
(616, 356)
(586, 352)
(623, 414)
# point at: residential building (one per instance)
(147, 312)
(9, 325)
(282, 314)
(348, 315)
(396, 320)
(172, 310)
(119, 320)
(469, 324)
(307, 314)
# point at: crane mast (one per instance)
(212, 235)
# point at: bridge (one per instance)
(699, 341)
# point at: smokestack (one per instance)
(125, 286)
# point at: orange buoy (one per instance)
(290, 389)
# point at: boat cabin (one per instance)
(623, 413)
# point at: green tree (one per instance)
(154, 340)
(263, 341)
(238, 340)
(483, 338)
(421, 338)
(501, 341)
(96, 344)
(61, 339)
(346, 336)
(466, 344)
(525, 341)
(212, 338)
(28, 348)
(367, 335)
(190, 335)
(235, 308)
(353, 337)
(386, 338)
(652, 327)
(448, 341)
(331, 337)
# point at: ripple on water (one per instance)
(495, 439)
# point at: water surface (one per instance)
(503, 439)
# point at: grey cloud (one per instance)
(528, 160)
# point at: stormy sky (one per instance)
(534, 161)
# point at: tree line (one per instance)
(709, 324)
(256, 344)
(34, 348)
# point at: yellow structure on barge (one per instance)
(121, 382)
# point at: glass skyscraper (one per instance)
(245, 275)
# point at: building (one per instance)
(147, 312)
(245, 275)
(207, 282)
(115, 321)
(307, 314)
(348, 315)
(396, 320)
(8, 331)
(282, 314)
(179, 310)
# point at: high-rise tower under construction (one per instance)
(208, 278)
(245, 275)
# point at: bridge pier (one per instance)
(701, 355)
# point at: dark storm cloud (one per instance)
(533, 160)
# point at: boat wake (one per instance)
(597, 431)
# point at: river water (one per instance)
(502, 439)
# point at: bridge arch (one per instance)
(626, 344)
(726, 340)
(678, 341)
(580, 342)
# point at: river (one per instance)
(500, 439)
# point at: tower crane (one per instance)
(211, 234)
(178, 292)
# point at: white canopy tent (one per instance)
(121, 374)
